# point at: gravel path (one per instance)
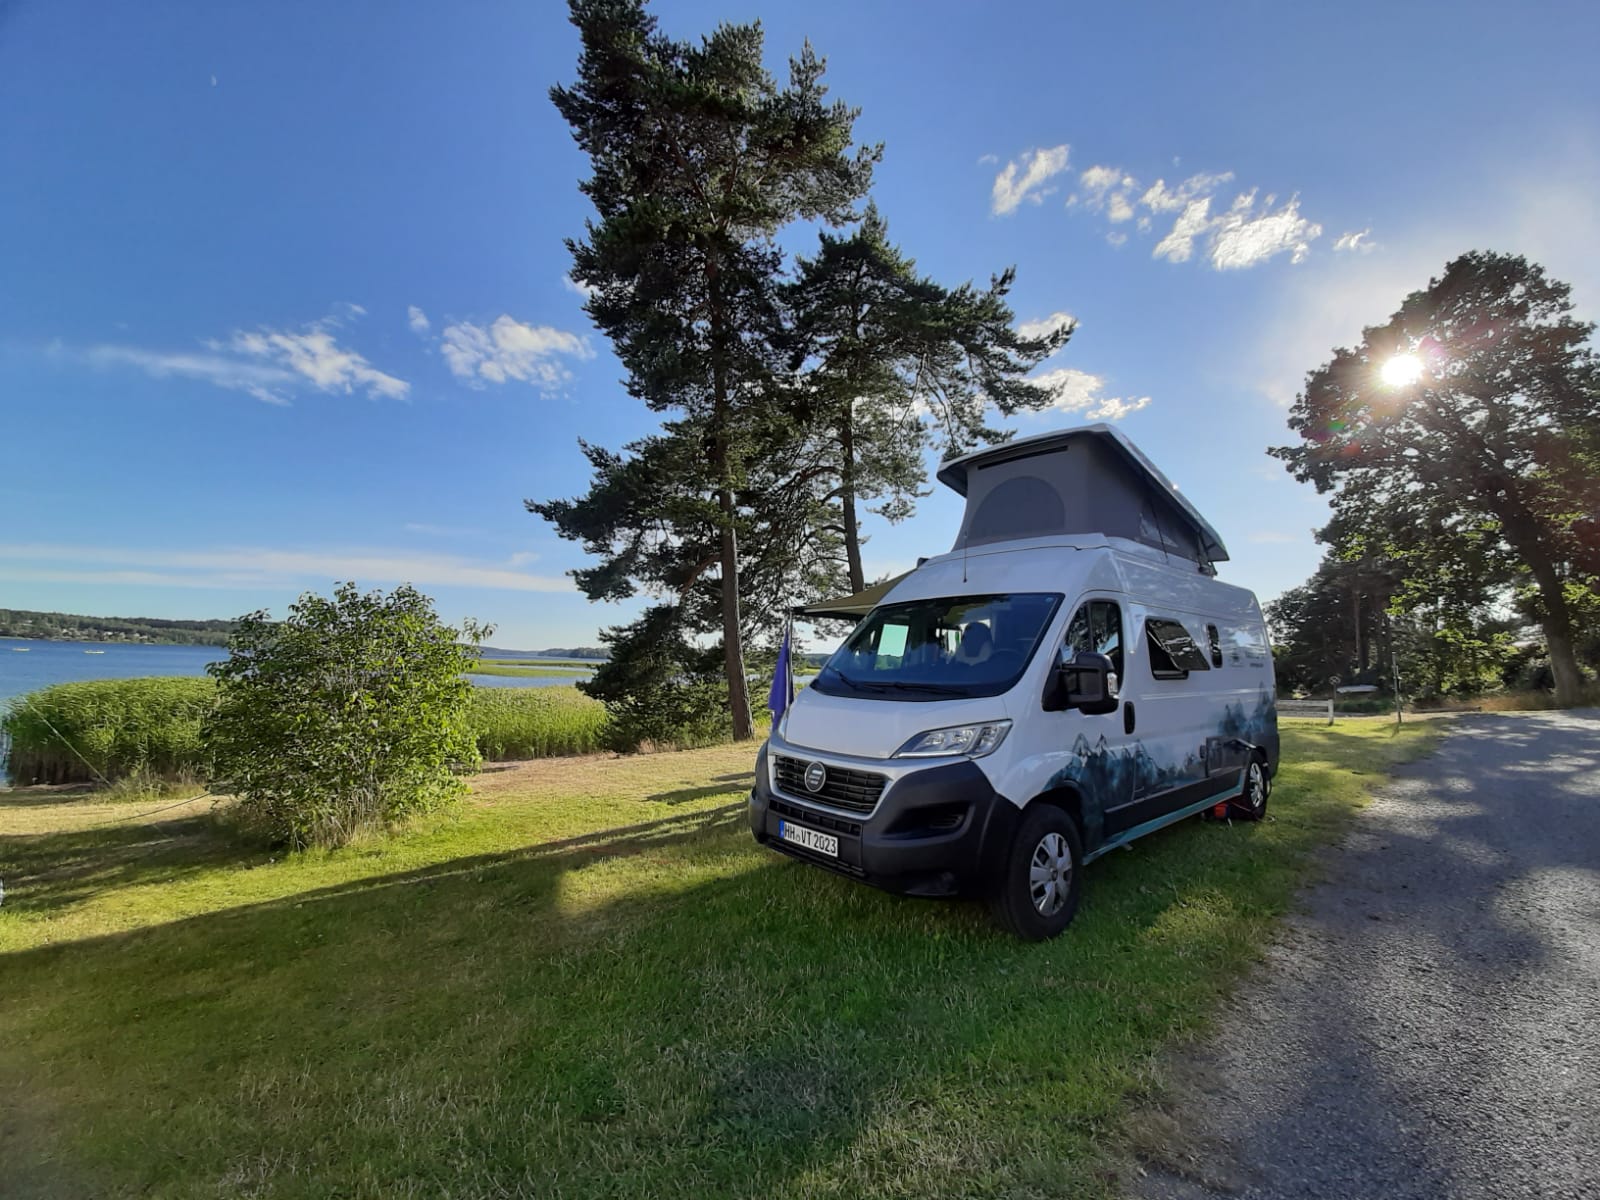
(1429, 1025)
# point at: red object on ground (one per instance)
(1221, 810)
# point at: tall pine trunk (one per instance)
(728, 539)
(847, 504)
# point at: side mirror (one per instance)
(1088, 683)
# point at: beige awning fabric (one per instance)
(848, 608)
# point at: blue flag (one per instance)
(778, 698)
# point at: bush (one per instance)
(123, 727)
(348, 716)
(511, 723)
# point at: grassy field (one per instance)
(592, 983)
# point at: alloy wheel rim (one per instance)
(1258, 786)
(1050, 874)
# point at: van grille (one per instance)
(815, 818)
(853, 791)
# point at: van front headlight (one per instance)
(971, 741)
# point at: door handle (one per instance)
(1127, 716)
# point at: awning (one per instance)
(849, 608)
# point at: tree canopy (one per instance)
(898, 363)
(1460, 442)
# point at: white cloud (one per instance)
(1045, 326)
(316, 357)
(258, 567)
(417, 319)
(576, 288)
(1178, 245)
(1079, 392)
(1356, 243)
(1241, 237)
(1024, 179)
(1106, 189)
(265, 383)
(510, 349)
(1160, 198)
(1116, 237)
(988, 160)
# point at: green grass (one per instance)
(514, 723)
(108, 728)
(592, 983)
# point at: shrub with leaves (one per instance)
(348, 716)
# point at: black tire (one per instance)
(1255, 785)
(1035, 916)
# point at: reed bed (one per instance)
(109, 729)
(513, 723)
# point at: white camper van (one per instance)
(1070, 677)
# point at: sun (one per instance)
(1401, 371)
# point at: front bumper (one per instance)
(938, 831)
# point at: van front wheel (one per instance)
(1037, 895)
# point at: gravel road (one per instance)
(1429, 1025)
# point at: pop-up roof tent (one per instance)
(1086, 480)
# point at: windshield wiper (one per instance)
(941, 689)
(860, 684)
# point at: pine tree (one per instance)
(897, 364)
(699, 158)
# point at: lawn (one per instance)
(591, 982)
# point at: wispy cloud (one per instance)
(1358, 242)
(316, 356)
(269, 364)
(1045, 326)
(264, 382)
(1243, 237)
(1025, 178)
(261, 567)
(1178, 245)
(509, 349)
(1079, 392)
(417, 319)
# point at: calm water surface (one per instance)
(26, 665)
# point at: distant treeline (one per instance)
(555, 652)
(68, 627)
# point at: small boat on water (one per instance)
(94, 651)
(21, 649)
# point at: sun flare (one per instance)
(1401, 371)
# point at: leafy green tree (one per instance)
(698, 158)
(899, 363)
(1460, 441)
(347, 716)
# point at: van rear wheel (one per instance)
(1037, 894)
(1254, 788)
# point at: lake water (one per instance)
(26, 666)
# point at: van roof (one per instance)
(1113, 455)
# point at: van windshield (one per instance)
(940, 649)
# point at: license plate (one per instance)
(810, 839)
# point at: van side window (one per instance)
(1173, 652)
(1097, 626)
(1215, 639)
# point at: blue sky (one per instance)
(283, 291)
